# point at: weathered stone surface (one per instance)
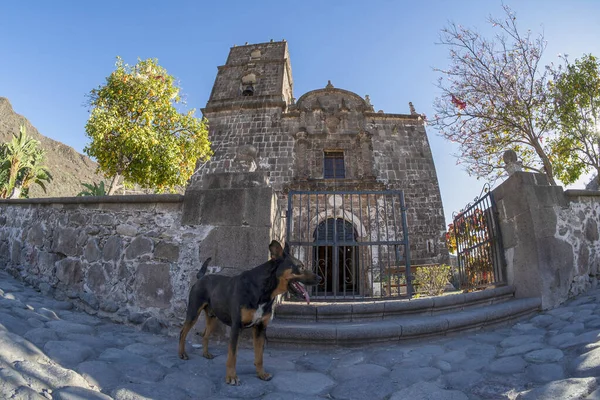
(587, 364)
(545, 372)
(508, 365)
(126, 230)
(296, 382)
(64, 240)
(519, 340)
(428, 391)
(133, 371)
(521, 349)
(375, 388)
(166, 251)
(363, 371)
(96, 278)
(544, 356)
(199, 387)
(250, 388)
(153, 325)
(406, 376)
(54, 375)
(153, 285)
(138, 246)
(69, 272)
(90, 299)
(14, 348)
(78, 393)
(91, 252)
(110, 306)
(566, 389)
(137, 391)
(66, 327)
(40, 336)
(462, 380)
(112, 248)
(68, 353)
(13, 324)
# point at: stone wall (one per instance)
(550, 237)
(125, 257)
(133, 259)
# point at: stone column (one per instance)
(240, 207)
(538, 263)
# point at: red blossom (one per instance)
(458, 103)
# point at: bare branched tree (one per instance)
(495, 98)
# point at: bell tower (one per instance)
(254, 75)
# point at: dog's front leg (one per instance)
(258, 336)
(231, 376)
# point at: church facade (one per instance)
(332, 142)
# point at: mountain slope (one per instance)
(68, 167)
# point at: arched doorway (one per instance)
(336, 257)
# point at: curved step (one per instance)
(399, 328)
(384, 309)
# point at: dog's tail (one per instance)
(202, 271)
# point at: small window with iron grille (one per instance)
(333, 165)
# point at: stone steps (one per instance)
(414, 319)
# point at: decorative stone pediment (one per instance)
(332, 111)
(332, 100)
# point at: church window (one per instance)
(333, 165)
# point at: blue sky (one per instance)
(53, 52)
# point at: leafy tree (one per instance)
(495, 98)
(576, 91)
(21, 165)
(137, 132)
(93, 189)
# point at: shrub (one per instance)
(432, 280)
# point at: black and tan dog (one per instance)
(244, 301)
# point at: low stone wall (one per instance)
(133, 259)
(125, 257)
(550, 237)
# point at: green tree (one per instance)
(495, 97)
(21, 165)
(576, 91)
(93, 189)
(138, 134)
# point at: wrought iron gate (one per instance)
(478, 244)
(356, 241)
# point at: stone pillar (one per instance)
(538, 263)
(240, 206)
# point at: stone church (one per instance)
(340, 159)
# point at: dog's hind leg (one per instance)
(211, 323)
(193, 312)
(259, 336)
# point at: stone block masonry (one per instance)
(550, 236)
(133, 259)
(256, 124)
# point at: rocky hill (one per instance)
(67, 166)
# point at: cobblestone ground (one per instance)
(50, 351)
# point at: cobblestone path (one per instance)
(48, 350)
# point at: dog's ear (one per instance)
(286, 249)
(275, 249)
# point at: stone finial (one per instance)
(368, 100)
(511, 161)
(329, 85)
(412, 108)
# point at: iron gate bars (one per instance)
(479, 244)
(357, 241)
